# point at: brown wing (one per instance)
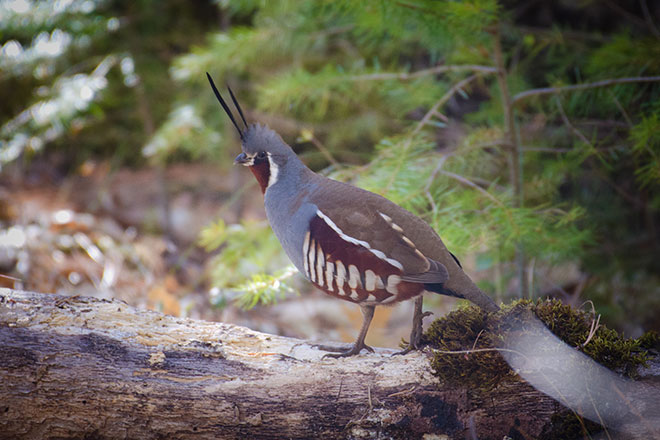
(349, 270)
(369, 218)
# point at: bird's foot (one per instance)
(415, 336)
(409, 347)
(339, 352)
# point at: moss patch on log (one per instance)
(470, 328)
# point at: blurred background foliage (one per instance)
(438, 105)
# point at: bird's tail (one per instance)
(460, 285)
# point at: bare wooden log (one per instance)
(89, 368)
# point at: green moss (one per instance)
(650, 340)
(466, 329)
(471, 328)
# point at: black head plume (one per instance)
(240, 110)
(226, 107)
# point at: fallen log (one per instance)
(77, 367)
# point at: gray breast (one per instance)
(289, 221)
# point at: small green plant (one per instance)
(248, 265)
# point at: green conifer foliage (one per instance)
(405, 100)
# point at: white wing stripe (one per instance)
(350, 239)
(329, 274)
(341, 277)
(312, 254)
(305, 252)
(320, 259)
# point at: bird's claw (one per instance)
(338, 352)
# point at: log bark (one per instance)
(75, 367)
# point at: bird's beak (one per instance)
(241, 159)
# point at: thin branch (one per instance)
(630, 16)
(324, 151)
(570, 126)
(471, 184)
(515, 153)
(430, 180)
(403, 76)
(622, 110)
(649, 20)
(604, 83)
(547, 149)
(434, 110)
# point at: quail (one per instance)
(350, 243)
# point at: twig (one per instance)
(515, 154)
(455, 88)
(632, 17)
(424, 72)
(324, 151)
(595, 407)
(570, 126)
(371, 406)
(622, 110)
(480, 350)
(430, 180)
(604, 83)
(649, 20)
(634, 409)
(477, 338)
(595, 323)
(547, 149)
(530, 275)
(471, 184)
(10, 277)
(427, 117)
(404, 392)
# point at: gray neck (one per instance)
(290, 178)
(287, 208)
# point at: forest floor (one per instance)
(100, 232)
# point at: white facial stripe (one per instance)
(274, 171)
(350, 239)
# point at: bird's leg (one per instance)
(417, 330)
(368, 313)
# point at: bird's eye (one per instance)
(261, 155)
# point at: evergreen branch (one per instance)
(515, 157)
(427, 117)
(570, 126)
(403, 76)
(471, 184)
(427, 187)
(434, 110)
(604, 83)
(322, 148)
